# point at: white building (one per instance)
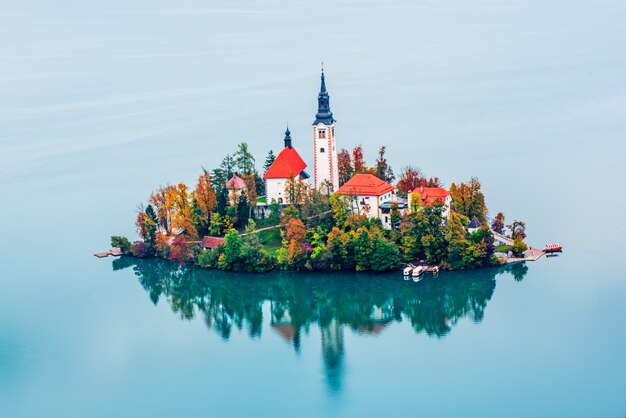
(326, 172)
(425, 196)
(287, 164)
(370, 196)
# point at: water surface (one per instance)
(100, 102)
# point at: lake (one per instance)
(101, 103)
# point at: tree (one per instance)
(216, 226)
(182, 222)
(339, 249)
(164, 209)
(362, 249)
(315, 209)
(457, 243)
(259, 184)
(244, 160)
(295, 190)
(498, 223)
(274, 210)
(519, 247)
(295, 230)
(243, 211)
(222, 200)
(228, 223)
(296, 258)
(394, 216)
(122, 243)
(146, 225)
(232, 251)
(178, 251)
(385, 255)
(320, 257)
(269, 160)
(357, 160)
(251, 249)
(250, 191)
(468, 200)
(383, 169)
(205, 198)
(162, 245)
(344, 166)
(288, 213)
(228, 166)
(410, 178)
(141, 249)
(223, 173)
(339, 206)
(518, 229)
(208, 258)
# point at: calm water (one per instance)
(100, 103)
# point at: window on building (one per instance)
(322, 133)
(333, 132)
(322, 150)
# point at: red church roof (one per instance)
(365, 185)
(287, 164)
(429, 195)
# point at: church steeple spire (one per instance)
(287, 138)
(325, 143)
(324, 115)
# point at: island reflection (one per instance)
(366, 303)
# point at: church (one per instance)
(290, 167)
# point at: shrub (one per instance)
(208, 259)
(519, 246)
(265, 262)
(122, 243)
(178, 251)
(142, 249)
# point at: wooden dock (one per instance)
(115, 252)
(531, 253)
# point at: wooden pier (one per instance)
(115, 252)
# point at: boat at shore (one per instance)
(417, 272)
(553, 248)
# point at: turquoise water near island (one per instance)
(101, 103)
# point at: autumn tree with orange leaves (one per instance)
(182, 223)
(159, 201)
(205, 198)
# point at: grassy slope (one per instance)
(271, 240)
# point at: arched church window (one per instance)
(322, 150)
(322, 133)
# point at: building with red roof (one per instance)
(235, 183)
(365, 185)
(211, 243)
(426, 196)
(367, 193)
(287, 164)
(235, 186)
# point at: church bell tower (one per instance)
(326, 176)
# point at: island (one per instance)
(353, 216)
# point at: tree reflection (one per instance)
(365, 303)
